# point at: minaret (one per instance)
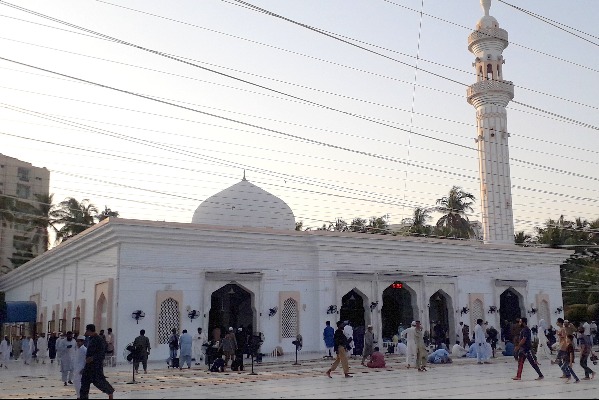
(490, 95)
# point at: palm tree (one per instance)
(418, 221)
(454, 206)
(74, 216)
(42, 221)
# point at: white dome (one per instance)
(245, 205)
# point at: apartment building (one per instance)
(20, 181)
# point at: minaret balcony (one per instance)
(490, 92)
(487, 39)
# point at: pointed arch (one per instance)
(289, 319)
(169, 317)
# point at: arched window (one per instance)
(489, 71)
(289, 319)
(544, 311)
(101, 313)
(477, 311)
(168, 319)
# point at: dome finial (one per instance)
(244, 175)
(486, 6)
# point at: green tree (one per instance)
(73, 217)
(106, 214)
(299, 225)
(378, 224)
(521, 237)
(454, 207)
(418, 222)
(358, 225)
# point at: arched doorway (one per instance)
(440, 319)
(352, 309)
(230, 306)
(510, 306)
(397, 309)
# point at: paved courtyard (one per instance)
(278, 378)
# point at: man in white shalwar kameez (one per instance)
(5, 349)
(79, 363)
(480, 342)
(198, 350)
(27, 349)
(348, 331)
(42, 348)
(543, 349)
(408, 334)
(67, 349)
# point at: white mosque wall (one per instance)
(144, 260)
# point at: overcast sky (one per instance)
(335, 130)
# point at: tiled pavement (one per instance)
(279, 378)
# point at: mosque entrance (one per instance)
(441, 320)
(397, 310)
(230, 306)
(352, 309)
(509, 306)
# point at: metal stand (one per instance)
(133, 380)
(296, 363)
(252, 373)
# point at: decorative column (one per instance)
(490, 95)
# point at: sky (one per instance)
(150, 107)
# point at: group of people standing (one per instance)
(232, 346)
(340, 343)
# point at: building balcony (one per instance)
(490, 92)
(491, 38)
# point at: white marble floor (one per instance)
(280, 379)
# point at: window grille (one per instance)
(169, 318)
(289, 319)
(476, 311)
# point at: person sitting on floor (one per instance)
(377, 359)
(458, 351)
(509, 349)
(401, 349)
(440, 356)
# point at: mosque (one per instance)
(241, 263)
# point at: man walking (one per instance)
(586, 349)
(80, 356)
(67, 348)
(480, 342)
(408, 335)
(524, 351)
(42, 349)
(142, 345)
(52, 347)
(341, 345)
(93, 372)
(185, 343)
(421, 353)
(562, 341)
(328, 335)
(368, 344)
